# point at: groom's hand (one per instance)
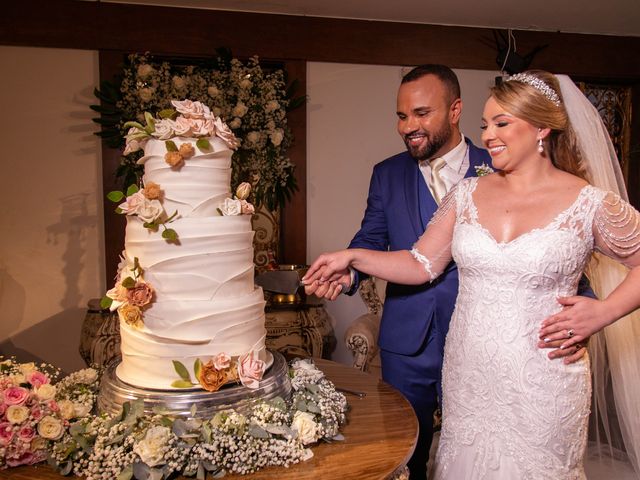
(341, 281)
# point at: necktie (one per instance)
(436, 184)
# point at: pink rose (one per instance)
(250, 370)
(182, 127)
(163, 129)
(3, 408)
(132, 203)
(26, 434)
(140, 295)
(247, 208)
(191, 109)
(202, 128)
(53, 405)
(27, 458)
(36, 412)
(225, 133)
(221, 361)
(37, 379)
(15, 395)
(6, 433)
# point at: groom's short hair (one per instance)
(442, 72)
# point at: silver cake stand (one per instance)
(114, 393)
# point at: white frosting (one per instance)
(205, 301)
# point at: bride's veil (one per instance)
(615, 351)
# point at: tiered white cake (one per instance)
(202, 309)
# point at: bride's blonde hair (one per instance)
(537, 108)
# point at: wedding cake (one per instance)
(190, 314)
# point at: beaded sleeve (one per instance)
(617, 227)
(426, 263)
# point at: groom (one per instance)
(404, 193)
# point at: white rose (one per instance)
(149, 210)
(231, 207)
(146, 93)
(246, 84)
(87, 376)
(178, 82)
(66, 409)
(45, 392)
(80, 410)
(253, 137)
(17, 413)
(239, 110)
(272, 106)
(306, 427)
(144, 70)
(27, 367)
(213, 91)
(50, 428)
(164, 129)
(276, 136)
(151, 449)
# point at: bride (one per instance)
(521, 239)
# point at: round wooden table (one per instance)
(380, 437)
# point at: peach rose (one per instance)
(187, 150)
(140, 295)
(250, 370)
(247, 208)
(152, 191)
(210, 378)
(131, 315)
(174, 159)
(144, 70)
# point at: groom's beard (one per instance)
(435, 141)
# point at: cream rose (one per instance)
(213, 91)
(243, 191)
(66, 409)
(306, 427)
(45, 392)
(132, 203)
(152, 448)
(26, 368)
(50, 428)
(87, 376)
(146, 94)
(17, 413)
(80, 410)
(246, 84)
(149, 210)
(239, 110)
(272, 106)
(131, 315)
(231, 207)
(253, 137)
(178, 82)
(235, 123)
(277, 136)
(144, 71)
(250, 370)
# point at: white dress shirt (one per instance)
(456, 165)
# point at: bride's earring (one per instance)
(540, 146)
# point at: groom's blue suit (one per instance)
(415, 319)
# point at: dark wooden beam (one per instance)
(184, 31)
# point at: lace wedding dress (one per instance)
(509, 412)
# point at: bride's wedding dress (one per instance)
(509, 412)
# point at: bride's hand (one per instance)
(574, 325)
(328, 267)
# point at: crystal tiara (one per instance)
(536, 83)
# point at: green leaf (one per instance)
(128, 282)
(257, 432)
(203, 144)
(126, 473)
(136, 263)
(170, 235)
(133, 123)
(133, 188)
(105, 302)
(168, 113)
(197, 368)
(151, 123)
(182, 371)
(194, 408)
(115, 196)
(181, 384)
(171, 146)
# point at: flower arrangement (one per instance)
(252, 102)
(221, 369)
(130, 295)
(148, 446)
(35, 410)
(484, 169)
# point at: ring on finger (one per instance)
(570, 333)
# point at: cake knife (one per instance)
(280, 281)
